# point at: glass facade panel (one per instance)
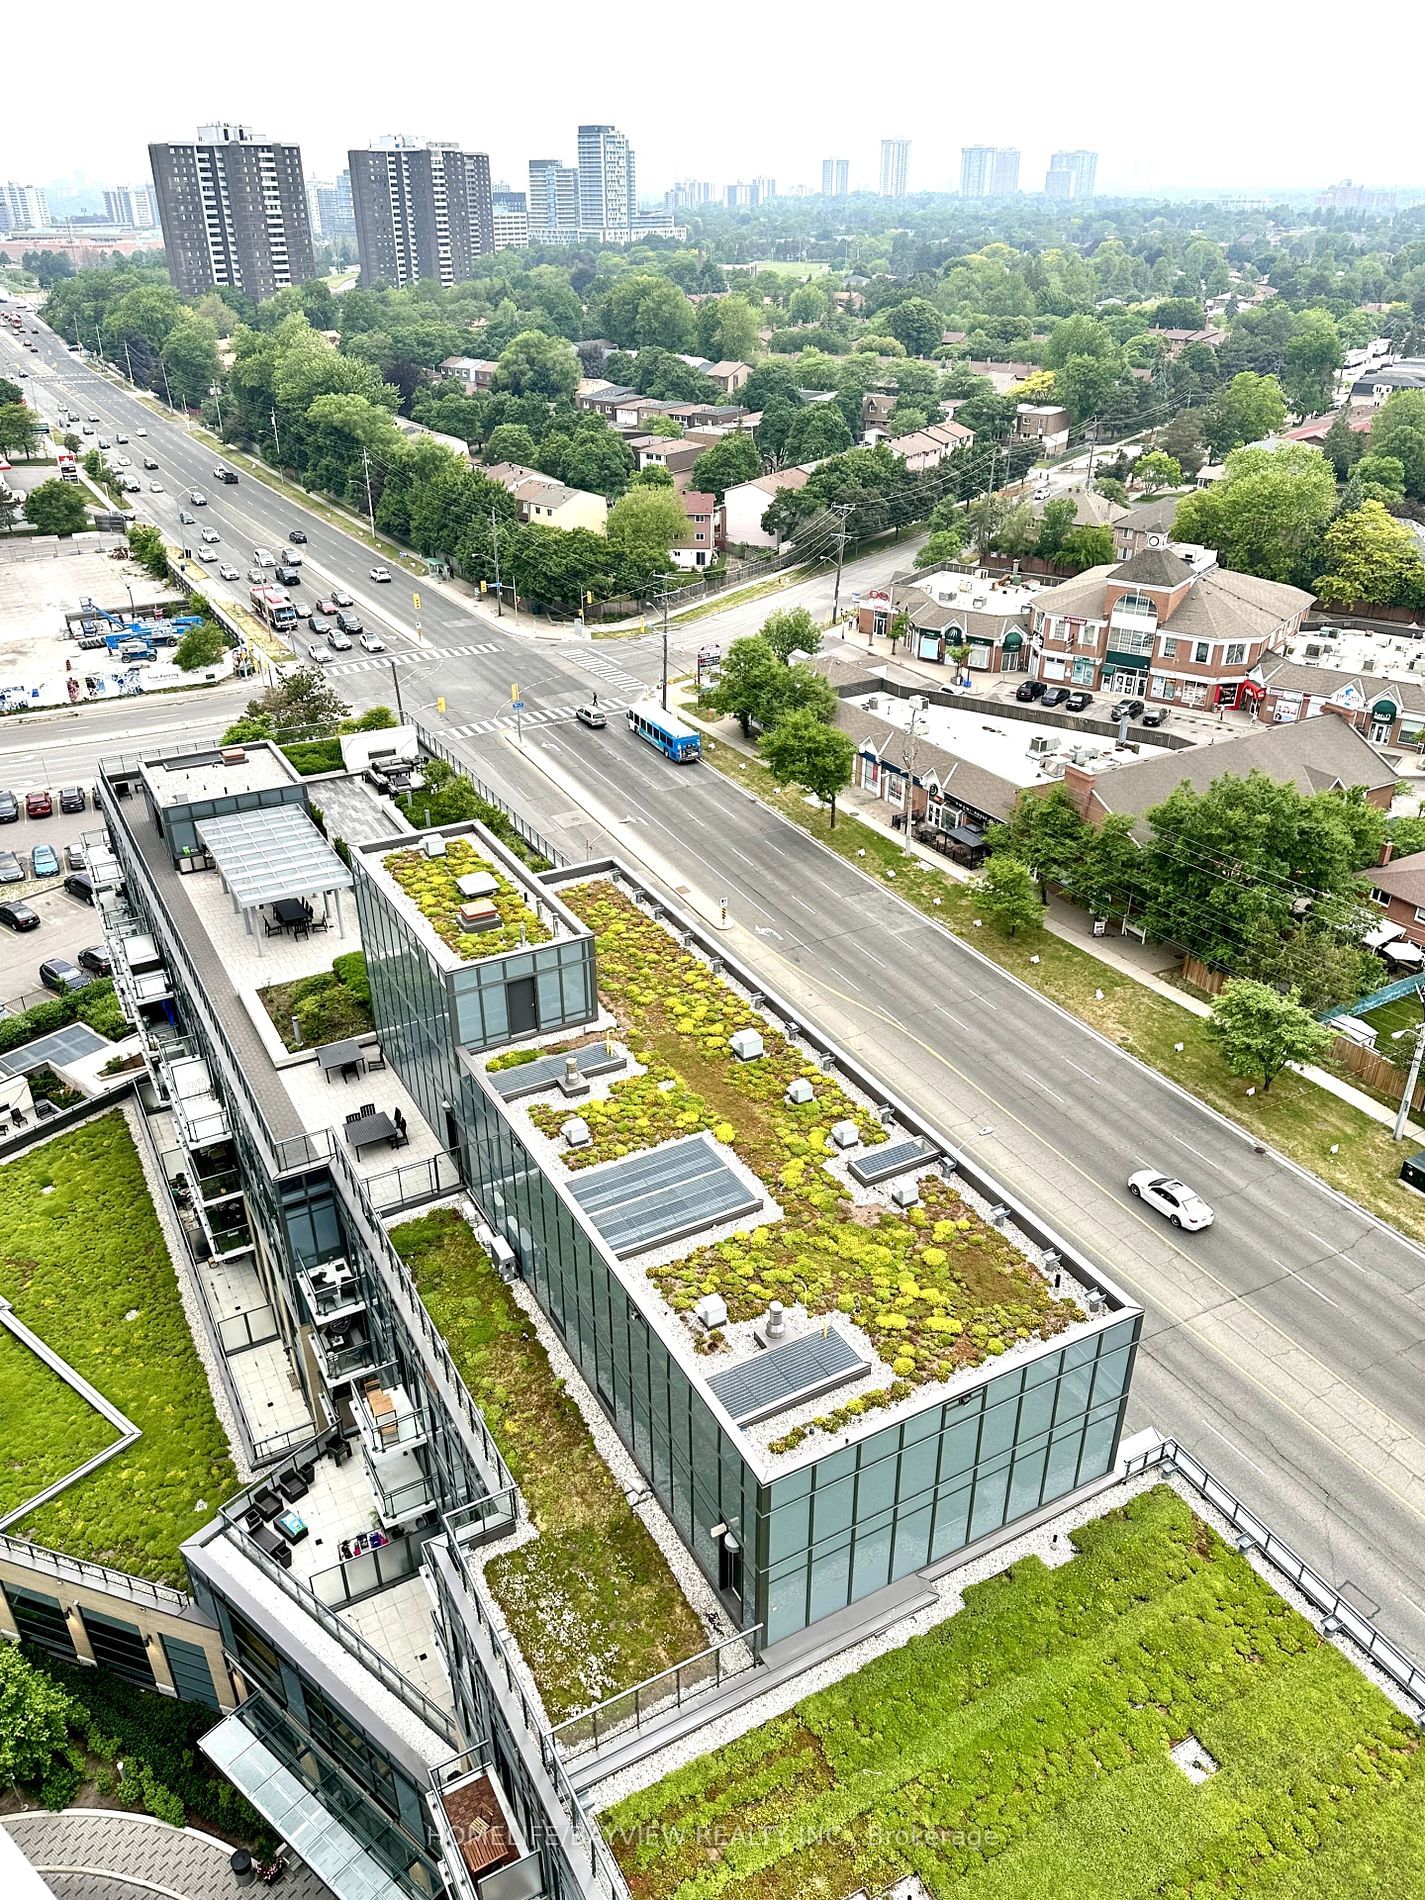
(120, 1647)
(40, 1620)
(188, 1665)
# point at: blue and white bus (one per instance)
(674, 739)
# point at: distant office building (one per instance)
(895, 160)
(835, 177)
(737, 197)
(988, 171)
(763, 190)
(1071, 175)
(424, 210)
(132, 207)
(233, 207)
(510, 211)
(553, 201)
(333, 215)
(608, 188)
(1349, 197)
(23, 208)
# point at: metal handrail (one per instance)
(113, 1582)
(1341, 1617)
(666, 1690)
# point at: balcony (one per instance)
(344, 1351)
(332, 1292)
(198, 1115)
(385, 1416)
(399, 1485)
(481, 1850)
(471, 1526)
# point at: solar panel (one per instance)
(63, 1045)
(528, 1078)
(897, 1157)
(783, 1376)
(649, 1199)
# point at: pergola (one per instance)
(272, 857)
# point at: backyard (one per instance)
(590, 1601)
(85, 1265)
(1021, 1749)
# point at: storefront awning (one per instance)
(1013, 640)
(1384, 709)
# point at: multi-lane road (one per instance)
(1286, 1344)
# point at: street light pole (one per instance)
(396, 682)
(665, 644)
(841, 510)
(495, 543)
(1403, 1114)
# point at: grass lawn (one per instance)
(590, 1601)
(1020, 1751)
(80, 1252)
(49, 1429)
(1404, 1013)
(1296, 1116)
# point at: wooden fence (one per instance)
(1210, 982)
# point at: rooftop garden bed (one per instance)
(936, 1288)
(591, 1600)
(84, 1263)
(327, 1007)
(1022, 1748)
(431, 885)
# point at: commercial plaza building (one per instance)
(377, 1715)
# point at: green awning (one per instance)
(1383, 709)
(1013, 640)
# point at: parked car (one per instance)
(591, 716)
(44, 861)
(350, 623)
(79, 884)
(1077, 701)
(1154, 716)
(1054, 696)
(74, 857)
(19, 917)
(1029, 689)
(39, 805)
(380, 573)
(95, 960)
(297, 536)
(61, 976)
(372, 643)
(9, 809)
(11, 869)
(1182, 1205)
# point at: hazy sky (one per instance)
(1243, 98)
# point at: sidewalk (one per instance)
(90, 1852)
(1141, 962)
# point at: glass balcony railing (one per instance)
(399, 1485)
(385, 1416)
(331, 1291)
(342, 1354)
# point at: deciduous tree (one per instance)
(56, 508)
(1008, 895)
(1259, 1030)
(802, 750)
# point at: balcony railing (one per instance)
(238, 1331)
(473, 1821)
(413, 1183)
(331, 1291)
(660, 1695)
(471, 1526)
(346, 1361)
(58, 1564)
(385, 1416)
(402, 1488)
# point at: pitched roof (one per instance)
(983, 790)
(1153, 567)
(696, 503)
(1151, 514)
(1079, 598)
(1323, 682)
(1314, 755)
(1403, 878)
(511, 474)
(726, 369)
(1224, 603)
(778, 478)
(1091, 510)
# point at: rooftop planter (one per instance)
(431, 885)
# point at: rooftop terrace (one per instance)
(920, 1295)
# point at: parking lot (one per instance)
(67, 923)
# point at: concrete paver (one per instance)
(98, 1854)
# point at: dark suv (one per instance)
(1126, 709)
(1029, 689)
(350, 622)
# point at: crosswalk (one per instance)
(534, 716)
(605, 669)
(409, 655)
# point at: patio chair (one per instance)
(367, 1108)
(356, 1114)
(375, 1058)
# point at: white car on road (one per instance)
(1182, 1205)
(372, 643)
(380, 573)
(228, 573)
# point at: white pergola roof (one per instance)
(264, 856)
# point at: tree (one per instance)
(19, 425)
(1157, 470)
(1084, 385)
(9, 509)
(1108, 876)
(729, 461)
(1182, 439)
(201, 646)
(1178, 313)
(1326, 972)
(945, 544)
(1247, 409)
(916, 323)
(190, 358)
(147, 547)
(1267, 514)
(1379, 478)
(300, 701)
(1399, 431)
(749, 684)
(791, 629)
(818, 430)
(34, 1719)
(1047, 834)
(803, 750)
(1055, 522)
(1342, 446)
(1009, 896)
(510, 442)
(1370, 556)
(1085, 547)
(534, 364)
(727, 329)
(1313, 356)
(1259, 1030)
(10, 392)
(644, 524)
(56, 508)
(1078, 336)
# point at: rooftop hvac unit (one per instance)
(433, 845)
(234, 755)
(873, 703)
(476, 884)
(576, 1132)
(1041, 743)
(479, 914)
(800, 1090)
(711, 1311)
(905, 1193)
(747, 1045)
(845, 1134)
(919, 703)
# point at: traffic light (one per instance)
(440, 704)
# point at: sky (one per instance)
(1168, 103)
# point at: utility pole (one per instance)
(495, 543)
(276, 439)
(664, 598)
(1403, 1115)
(370, 511)
(912, 733)
(215, 391)
(168, 393)
(128, 360)
(1092, 433)
(986, 503)
(396, 682)
(841, 511)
